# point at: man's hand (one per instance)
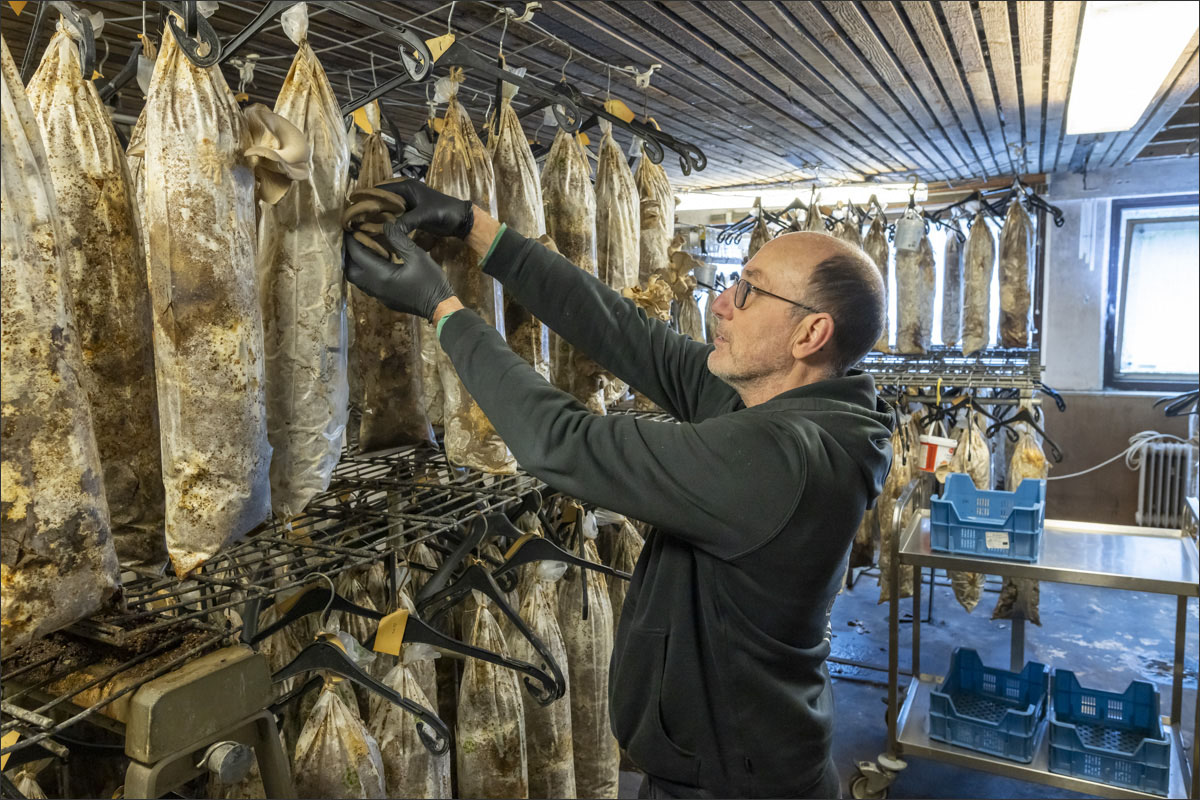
(431, 211)
(417, 285)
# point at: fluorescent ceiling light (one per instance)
(775, 199)
(1125, 51)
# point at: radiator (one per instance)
(1162, 480)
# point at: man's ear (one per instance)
(814, 334)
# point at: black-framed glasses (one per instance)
(743, 287)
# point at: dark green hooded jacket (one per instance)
(717, 678)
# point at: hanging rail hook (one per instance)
(80, 21)
(202, 53)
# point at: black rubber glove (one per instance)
(431, 211)
(415, 286)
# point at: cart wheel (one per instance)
(859, 790)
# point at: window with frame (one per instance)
(1153, 290)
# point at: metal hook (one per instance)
(508, 14)
(374, 80)
(329, 602)
(450, 17)
(570, 54)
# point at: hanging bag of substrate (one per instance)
(519, 205)
(208, 333)
(106, 274)
(657, 212)
(490, 732)
(410, 770)
(57, 562)
(461, 168)
(571, 223)
(335, 756)
(589, 647)
(547, 728)
(304, 293)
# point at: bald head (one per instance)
(834, 277)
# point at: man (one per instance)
(718, 686)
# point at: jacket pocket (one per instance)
(637, 720)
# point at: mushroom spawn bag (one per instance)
(1016, 251)
(304, 298)
(627, 550)
(978, 264)
(490, 732)
(208, 332)
(395, 384)
(618, 218)
(461, 168)
(519, 205)
(571, 223)
(877, 247)
(972, 457)
(335, 756)
(410, 770)
(548, 743)
(914, 298)
(903, 470)
(952, 289)
(106, 277)
(589, 645)
(758, 237)
(57, 562)
(657, 211)
(1020, 597)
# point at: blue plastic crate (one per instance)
(1107, 737)
(992, 711)
(977, 522)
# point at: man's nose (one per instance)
(723, 305)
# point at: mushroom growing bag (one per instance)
(208, 331)
(106, 273)
(304, 297)
(57, 562)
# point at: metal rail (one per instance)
(994, 368)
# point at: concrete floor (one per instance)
(1106, 637)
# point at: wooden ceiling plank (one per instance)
(728, 70)
(903, 150)
(999, 41)
(1064, 39)
(818, 26)
(960, 21)
(1031, 26)
(786, 64)
(952, 108)
(708, 123)
(852, 20)
(680, 66)
(1176, 90)
(929, 31)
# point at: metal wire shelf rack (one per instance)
(377, 506)
(994, 368)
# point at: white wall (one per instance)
(1076, 265)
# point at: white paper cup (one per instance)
(935, 452)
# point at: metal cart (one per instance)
(1155, 560)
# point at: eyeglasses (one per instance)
(743, 287)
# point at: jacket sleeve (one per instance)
(726, 485)
(669, 368)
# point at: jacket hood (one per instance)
(854, 417)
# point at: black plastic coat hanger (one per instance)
(325, 656)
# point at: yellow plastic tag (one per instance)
(241, 97)
(618, 109)
(438, 124)
(583, 139)
(17, 6)
(285, 605)
(439, 44)
(390, 635)
(654, 122)
(96, 74)
(362, 117)
(571, 513)
(11, 737)
(517, 545)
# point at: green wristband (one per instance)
(442, 322)
(496, 241)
